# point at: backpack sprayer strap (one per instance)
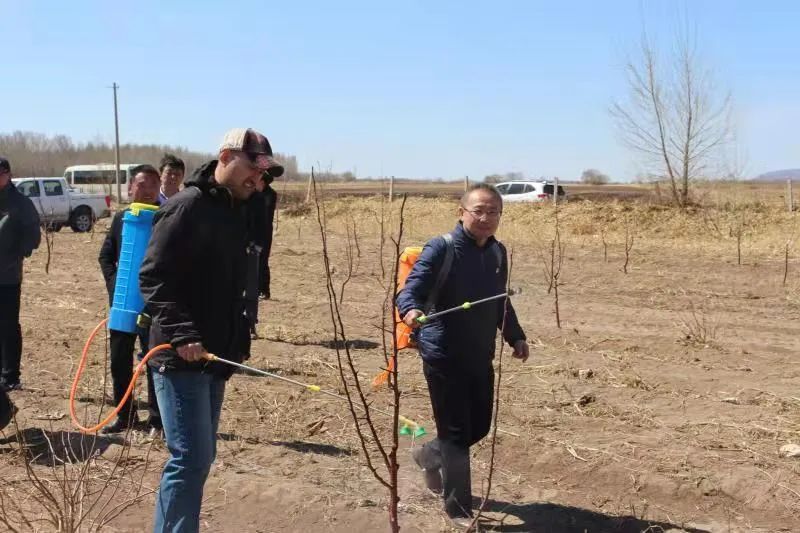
(444, 271)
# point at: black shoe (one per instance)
(8, 416)
(9, 386)
(463, 522)
(431, 476)
(155, 434)
(120, 425)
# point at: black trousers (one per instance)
(122, 348)
(10, 333)
(462, 401)
(6, 409)
(153, 414)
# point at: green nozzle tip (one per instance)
(405, 430)
(420, 432)
(422, 319)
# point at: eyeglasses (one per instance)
(479, 213)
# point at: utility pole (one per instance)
(310, 184)
(116, 134)
(555, 192)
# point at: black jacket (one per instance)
(20, 234)
(261, 218)
(193, 275)
(465, 338)
(261, 207)
(109, 253)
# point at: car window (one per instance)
(98, 177)
(548, 189)
(529, 188)
(515, 188)
(53, 188)
(29, 189)
(502, 188)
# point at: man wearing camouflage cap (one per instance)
(192, 279)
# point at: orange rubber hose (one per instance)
(139, 368)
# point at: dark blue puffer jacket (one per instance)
(466, 337)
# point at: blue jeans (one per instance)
(190, 404)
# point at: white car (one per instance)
(527, 191)
(59, 205)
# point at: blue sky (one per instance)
(413, 89)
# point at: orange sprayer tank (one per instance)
(402, 333)
(406, 263)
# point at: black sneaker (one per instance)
(462, 523)
(8, 416)
(119, 426)
(10, 386)
(431, 476)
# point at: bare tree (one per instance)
(552, 262)
(373, 443)
(496, 413)
(674, 115)
(786, 261)
(37, 154)
(630, 237)
(592, 176)
(66, 487)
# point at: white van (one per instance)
(527, 191)
(100, 178)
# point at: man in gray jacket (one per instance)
(19, 237)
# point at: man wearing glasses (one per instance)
(457, 349)
(192, 280)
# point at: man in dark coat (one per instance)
(457, 349)
(20, 235)
(192, 280)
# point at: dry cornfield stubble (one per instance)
(617, 422)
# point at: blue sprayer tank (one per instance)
(137, 224)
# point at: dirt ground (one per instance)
(660, 404)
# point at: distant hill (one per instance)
(780, 175)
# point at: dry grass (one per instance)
(712, 225)
(612, 416)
